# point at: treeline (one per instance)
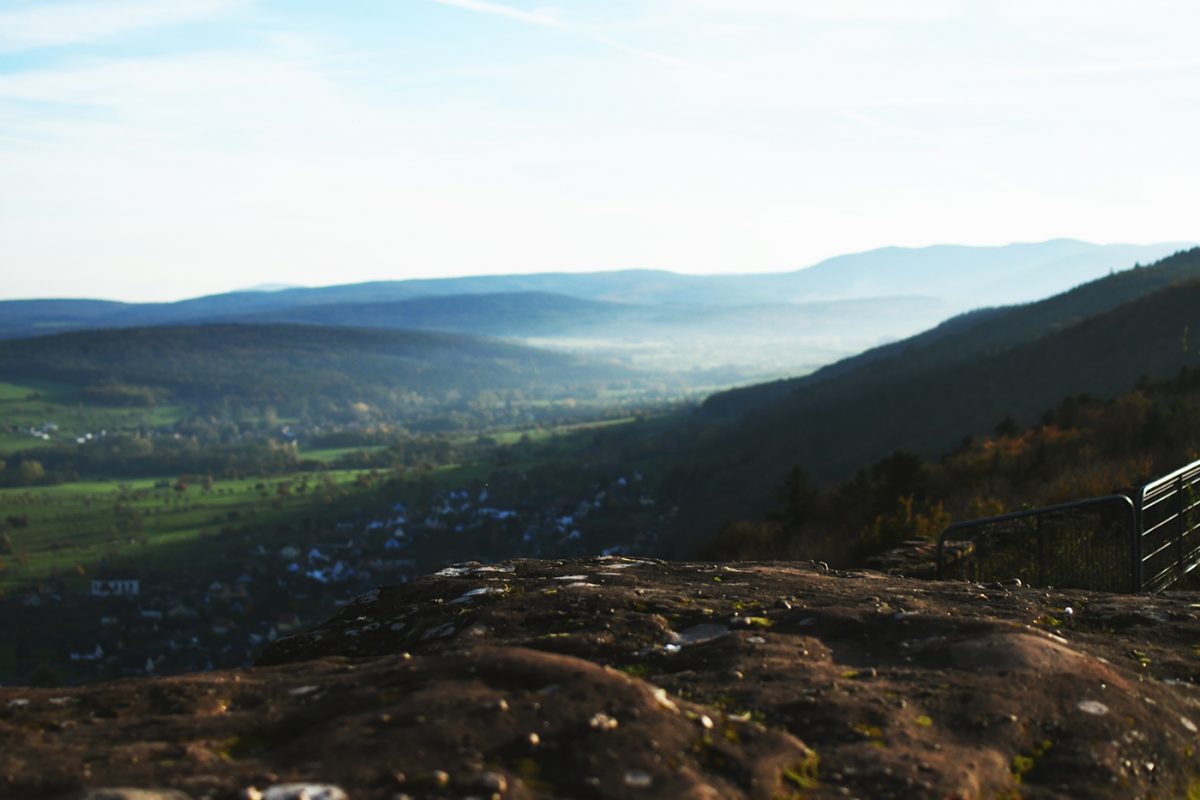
(337, 374)
(1084, 447)
(133, 456)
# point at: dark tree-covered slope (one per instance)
(969, 337)
(927, 394)
(288, 364)
(34, 317)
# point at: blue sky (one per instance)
(155, 149)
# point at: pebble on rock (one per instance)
(304, 791)
(636, 779)
(494, 782)
(1093, 707)
(128, 793)
(603, 722)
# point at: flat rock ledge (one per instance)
(627, 678)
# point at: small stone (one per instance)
(1093, 707)
(441, 778)
(636, 779)
(660, 695)
(602, 722)
(1187, 723)
(304, 791)
(129, 793)
(534, 740)
(494, 782)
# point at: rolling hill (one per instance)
(928, 392)
(969, 336)
(712, 331)
(22, 318)
(292, 367)
(961, 277)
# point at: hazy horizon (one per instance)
(277, 287)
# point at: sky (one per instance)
(161, 149)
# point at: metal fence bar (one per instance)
(1163, 527)
(1039, 516)
(1166, 529)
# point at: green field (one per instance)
(330, 454)
(542, 434)
(33, 404)
(69, 528)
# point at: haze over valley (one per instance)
(324, 438)
(707, 330)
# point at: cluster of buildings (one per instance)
(268, 585)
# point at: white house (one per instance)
(116, 584)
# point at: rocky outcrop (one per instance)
(628, 678)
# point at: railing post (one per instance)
(1139, 501)
(1180, 525)
(940, 553)
(1041, 544)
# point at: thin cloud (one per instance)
(49, 25)
(655, 56)
(484, 7)
(544, 21)
(872, 11)
(1090, 69)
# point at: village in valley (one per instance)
(121, 620)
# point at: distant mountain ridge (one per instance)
(715, 331)
(976, 334)
(963, 277)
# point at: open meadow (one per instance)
(166, 524)
(33, 413)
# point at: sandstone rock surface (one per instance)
(625, 678)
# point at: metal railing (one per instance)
(1086, 544)
(1141, 541)
(1169, 528)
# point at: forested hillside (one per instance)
(1083, 447)
(925, 395)
(316, 371)
(970, 336)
